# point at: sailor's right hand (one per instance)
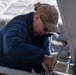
(47, 60)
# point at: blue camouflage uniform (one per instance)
(20, 48)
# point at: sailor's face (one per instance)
(39, 27)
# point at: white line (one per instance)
(8, 6)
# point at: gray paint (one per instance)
(68, 14)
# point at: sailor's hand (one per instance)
(48, 60)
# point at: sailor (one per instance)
(23, 41)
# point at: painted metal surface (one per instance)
(68, 14)
(9, 71)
